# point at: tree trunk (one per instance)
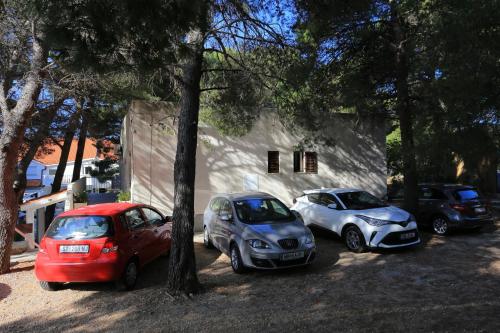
(11, 138)
(81, 147)
(35, 143)
(403, 109)
(182, 276)
(61, 167)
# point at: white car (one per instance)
(361, 219)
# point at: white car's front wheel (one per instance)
(354, 239)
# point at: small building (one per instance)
(42, 169)
(266, 159)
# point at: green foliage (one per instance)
(107, 169)
(233, 99)
(80, 197)
(124, 196)
(394, 162)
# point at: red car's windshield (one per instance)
(80, 227)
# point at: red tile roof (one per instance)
(90, 151)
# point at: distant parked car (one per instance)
(444, 207)
(106, 242)
(257, 230)
(362, 220)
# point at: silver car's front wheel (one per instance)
(440, 225)
(206, 239)
(236, 262)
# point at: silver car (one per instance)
(257, 230)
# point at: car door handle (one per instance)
(135, 236)
(155, 230)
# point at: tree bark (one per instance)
(14, 124)
(403, 109)
(182, 276)
(61, 167)
(81, 147)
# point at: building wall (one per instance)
(225, 164)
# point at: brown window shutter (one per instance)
(273, 161)
(311, 162)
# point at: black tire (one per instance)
(236, 261)
(440, 225)
(165, 254)
(354, 239)
(128, 279)
(50, 286)
(477, 229)
(206, 239)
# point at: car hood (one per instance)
(389, 213)
(275, 231)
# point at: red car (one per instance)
(106, 242)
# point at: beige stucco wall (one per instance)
(356, 159)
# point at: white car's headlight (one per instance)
(372, 221)
(258, 244)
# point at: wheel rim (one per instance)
(205, 236)
(440, 226)
(131, 274)
(234, 258)
(353, 241)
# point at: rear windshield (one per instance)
(262, 210)
(466, 195)
(80, 227)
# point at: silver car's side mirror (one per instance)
(332, 206)
(226, 217)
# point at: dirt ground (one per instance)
(446, 284)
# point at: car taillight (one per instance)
(42, 246)
(460, 208)
(109, 247)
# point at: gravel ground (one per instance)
(447, 284)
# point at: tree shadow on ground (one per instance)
(449, 283)
(5, 291)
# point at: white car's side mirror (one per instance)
(332, 206)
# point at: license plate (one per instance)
(292, 255)
(407, 235)
(480, 210)
(74, 249)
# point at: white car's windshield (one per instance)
(260, 210)
(360, 200)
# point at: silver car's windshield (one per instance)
(360, 200)
(260, 210)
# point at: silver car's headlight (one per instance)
(309, 239)
(372, 221)
(258, 244)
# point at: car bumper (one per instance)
(393, 236)
(466, 223)
(273, 260)
(90, 271)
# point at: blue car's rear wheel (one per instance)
(440, 225)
